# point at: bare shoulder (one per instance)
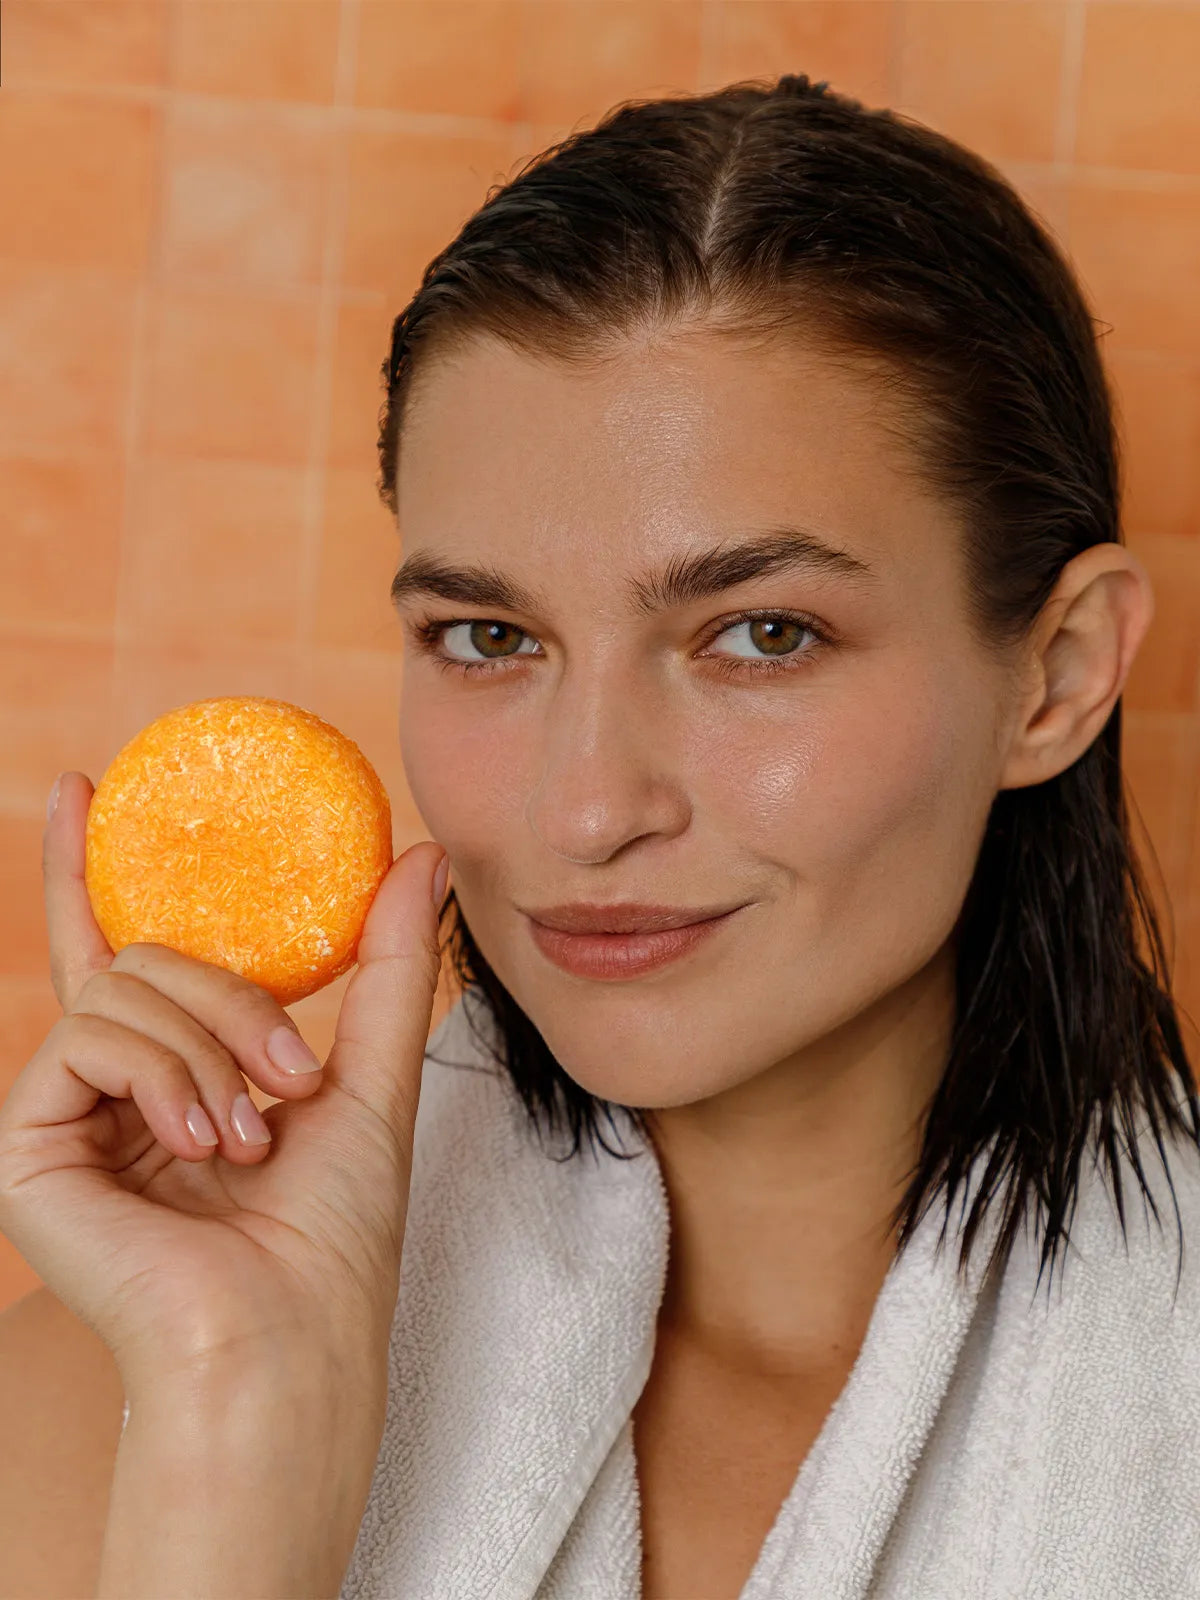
(62, 1403)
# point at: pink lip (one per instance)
(621, 916)
(614, 956)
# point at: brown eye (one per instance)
(773, 636)
(484, 635)
(490, 640)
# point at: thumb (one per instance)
(383, 1026)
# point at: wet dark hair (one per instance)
(765, 208)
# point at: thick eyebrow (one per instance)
(688, 578)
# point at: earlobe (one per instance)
(1082, 647)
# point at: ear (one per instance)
(1078, 657)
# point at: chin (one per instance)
(640, 1077)
(643, 1093)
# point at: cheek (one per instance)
(860, 784)
(461, 768)
(873, 782)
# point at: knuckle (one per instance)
(432, 946)
(212, 1058)
(161, 1057)
(89, 991)
(421, 958)
(139, 1051)
(428, 961)
(253, 1011)
(93, 992)
(74, 1024)
(259, 1006)
(261, 1001)
(241, 992)
(135, 958)
(86, 992)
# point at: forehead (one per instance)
(668, 437)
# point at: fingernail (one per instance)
(439, 880)
(53, 800)
(289, 1052)
(199, 1126)
(247, 1124)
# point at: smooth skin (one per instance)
(788, 1062)
(231, 1284)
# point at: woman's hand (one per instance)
(180, 1254)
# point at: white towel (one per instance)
(991, 1443)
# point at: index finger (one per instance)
(77, 947)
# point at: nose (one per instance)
(606, 778)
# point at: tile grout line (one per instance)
(384, 119)
(1070, 82)
(100, 634)
(449, 125)
(148, 283)
(317, 470)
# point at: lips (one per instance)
(616, 956)
(624, 917)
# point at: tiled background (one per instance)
(211, 211)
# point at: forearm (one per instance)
(242, 1487)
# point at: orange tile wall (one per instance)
(210, 211)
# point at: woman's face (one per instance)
(623, 749)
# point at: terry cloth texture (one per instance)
(993, 1441)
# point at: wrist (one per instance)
(231, 1482)
(314, 1374)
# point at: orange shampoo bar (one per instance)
(244, 832)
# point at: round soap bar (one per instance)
(243, 832)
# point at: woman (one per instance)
(763, 579)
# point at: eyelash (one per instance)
(429, 631)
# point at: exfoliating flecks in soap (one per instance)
(243, 832)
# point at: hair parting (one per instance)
(765, 209)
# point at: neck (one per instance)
(781, 1190)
